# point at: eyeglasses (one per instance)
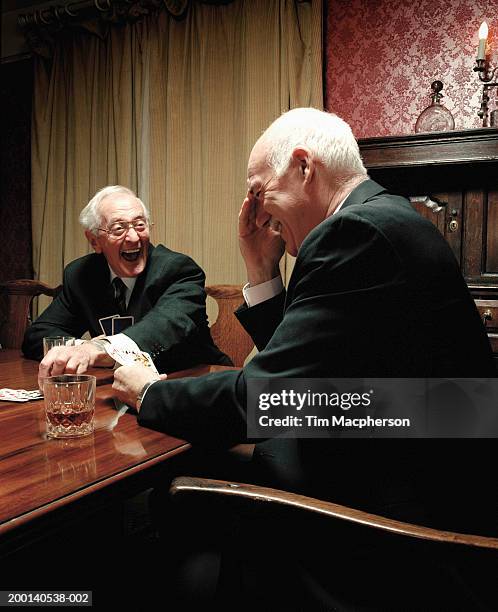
(120, 228)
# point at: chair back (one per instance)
(398, 565)
(227, 333)
(255, 495)
(18, 295)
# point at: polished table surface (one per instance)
(19, 373)
(39, 475)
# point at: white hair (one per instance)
(90, 216)
(326, 135)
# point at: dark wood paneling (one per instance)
(453, 214)
(459, 169)
(491, 263)
(488, 309)
(474, 212)
(435, 148)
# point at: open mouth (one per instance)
(131, 254)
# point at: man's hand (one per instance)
(72, 360)
(260, 245)
(130, 380)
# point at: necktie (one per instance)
(119, 294)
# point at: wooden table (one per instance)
(16, 372)
(41, 478)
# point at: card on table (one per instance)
(19, 395)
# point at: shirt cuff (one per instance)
(144, 393)
(262, 292)
(122, 342)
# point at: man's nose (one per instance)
(134, 235)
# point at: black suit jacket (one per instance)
(168, 303)
(376, 292)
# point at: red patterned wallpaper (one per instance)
(382, 56)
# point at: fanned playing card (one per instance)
(125, 351)
(19, 395)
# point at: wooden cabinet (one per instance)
(488, 309)
(452, 179)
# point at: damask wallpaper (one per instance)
(382, 56)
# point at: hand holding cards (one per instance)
(125, 351)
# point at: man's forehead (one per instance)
(116, 205)
(258, 169)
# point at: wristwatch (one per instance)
(144, 390)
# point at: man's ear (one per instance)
(92, 239)
(303, 158)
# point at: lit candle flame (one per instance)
(483, 37)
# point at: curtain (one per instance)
(171, 109)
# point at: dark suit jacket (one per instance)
(168, 303)
(376, 292)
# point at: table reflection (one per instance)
(71, 460)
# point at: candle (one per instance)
(483, 36)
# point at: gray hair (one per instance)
(90, 217)
(326, 135)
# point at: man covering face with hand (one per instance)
(375, 292)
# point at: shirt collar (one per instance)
(128, 281)
(338, 208)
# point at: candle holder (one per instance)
(486, 76)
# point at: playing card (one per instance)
(146, 360)
(119, 324)
(125, 351)
(19, 395)
(127, 357)
(106, 324)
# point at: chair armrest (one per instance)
(28, 287)
(256, 494)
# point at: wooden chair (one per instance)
(273, 505)
(227, 332)
(231, 338)
(254, 494)
(19, 294)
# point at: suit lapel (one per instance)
(104, 292)
(136, 297)
(99, 295)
